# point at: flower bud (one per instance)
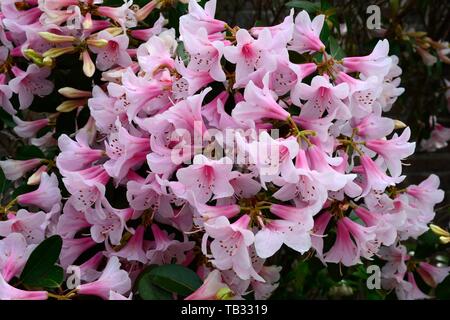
(55, 38)
(98, 43)
(56, 52)
(70, 105)
(73, 93)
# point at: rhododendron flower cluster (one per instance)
(212, 149)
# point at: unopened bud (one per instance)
(56, 38)
(88, 65)
(35, 178)
(70, 105)
(47, 62)
(114, 31)
(98, 43)
(73, 93)
(439, 231)
(143, 13)
(33, 56)
(224, 294)
(56, 52)
(399, 124)
(87, 23)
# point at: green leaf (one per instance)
(53, 278)
(175, 278)
(7, 119)
(149, 291)
(40, 269)
(336, 51)
(27, 152)
(310, 7)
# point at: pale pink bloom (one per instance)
(273, 158)
(439, 138)
(154, 55)
(30, 83)
(250, 54)
(417, 220)
(88, 270)
(386, 224)
(114, 53)
(344, 250)
(46, 196)
(146, 34)
(308, 192)
(210, 288)
(101, 108)
(76, 155)
(375, 64)
(134, 249)
(29, 129)
(288, 76)
(146, 194)
(5, 95)
(307, 33)
(165, 249)
(122, 15)
(208, 213)
(215, 114)
(426, 195)
(393, 150)
(364, 237)
(8, 292)
(125, 151)
(46, 141)
(108, 223)
(362, 93)
(87, 186)
(284, 30)
(320, 125)
(244, 185)
(191, 81)
(259, 104)
(207, 177)
(318, 233)
(14, 253)
(30, 225)
(112, 279)
(321, 95)
(395, 257)
(327, 166)
(432, 275)
(117, 296)
(374, 177)
(293, 230)
(15, 169)
(372, 126)
(73, 248)
(263, 290)
(390, 86)
(230, 247)
(198, 17)
(427, 58)
(205, 54)
(140, 92)
(411, 291)
(71, 221)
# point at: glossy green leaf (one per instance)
(40, 269)
(175, 278)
